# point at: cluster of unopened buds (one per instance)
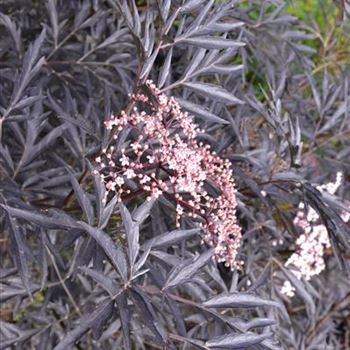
(308, 259)
(162, 157)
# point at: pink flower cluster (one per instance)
(163, 158)
(308, 259)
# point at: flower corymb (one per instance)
(162, 157)
(308, 259)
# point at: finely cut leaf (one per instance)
(53, 19)
(20, 253)
(142, 212)
(213, 91)
(190, 5)
(164, 72)
(132, 233)
(83, 199)
(96, 320)
(114, 252)
(201, 112)
(107, 212)
(237, 299)
(147, 314)
(236, 341)
(222, 27)
(110, 285)
(209, 42)
(40, 219)
(172, 237)
(124, 313)
(182, 273)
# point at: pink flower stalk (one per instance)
(163, 158)
(308, 261)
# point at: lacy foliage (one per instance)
(235, 145)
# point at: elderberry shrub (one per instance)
(174, 174)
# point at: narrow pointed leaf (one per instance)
(110, 285)
(113, 252)
(215, 92)
(132, 233)
(236, 341)
(40, 219)
(107, 211)
(201, 112)
(210, 42)
(164, 72)
(124, 313)
(96, 320)
(142, 212)
(147, 314)
(83, 199)
(245, 300)
(172, 237)
(20, 254)
(183, 272)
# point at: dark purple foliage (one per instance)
(79, 272)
